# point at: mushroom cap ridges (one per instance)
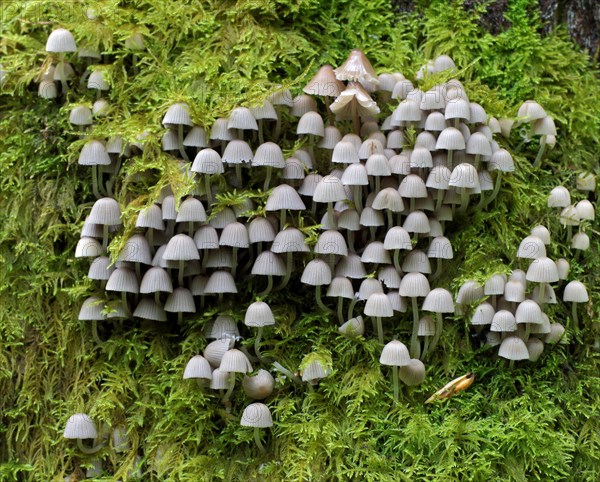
(257, 415)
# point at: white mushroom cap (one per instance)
(136, 250)
(439, 300)
(284, 197)
(91, 309)
(504, 321)
(123, 280)
(234, 235)
(88, 248)
(560, 197)
(101, 268)
(535, 347)
(198, 367)
(416, 261)
(105, 211)
(529, 311)
(580, 241)
(483, 314)
(269, 154)
(376, 253)
(413, 373)
(395, 353)
(542, 270)
(259, 314)
(542, 233)
(378, 305)
(215, 350)
(242, 118)
(513, 348)
(353, 327)
(80, 426)
(329, 189)
(531, 247)
(208, 161)
(268, 264)
(150, 217)
(440, 247)
(494, 285)
(414, 285)
(350, 266)
(148, 309)
(315, 371)
(316, 273)
(258, 386)
(569, 216)
(61, 40)
(235, 361)
(530, 111)
(177, 114)
(585, 209)
(256, 415)
(181, 247)
(180, 301)
(220, 282)
(290, 240)
(219, 380)
(576, 292)
(469, 292)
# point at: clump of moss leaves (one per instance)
(540, 421)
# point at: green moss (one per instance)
(538, 422)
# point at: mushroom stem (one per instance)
(208, 189)
(238, 174)
(234, 261)
(180, 143)
(351, 241)
(439, 197)
(540, 154)
(258, 442)
(439, 326)
(340, 310)
(257, 343)
(464, 200)
(569, 233)
(496, 189)
(542, 295)
(330, 118)
(397, 260)
(574, 314)
(95, 332)
(267, 179)
(268, 288)
(379, 330)
(261, 137)
(319, 300)
(390, 218)
(104, 236)
(288, 373)
(282, 218)
(425, 348)
(355, 118)
(395, 382)
(330, 218)
(351, 309)
(288, 271)
(229, 388)
(449, 161)
(358, 198)
(414, 341)
(180, 272)
(438, 268)
(89, 450)
(95, 181)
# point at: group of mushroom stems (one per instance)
(381, 190)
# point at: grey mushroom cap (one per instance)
(397, 238)
(256, 415)
(389, 277)
(513, 348)
(196, 137)
(91, 309)
(93, 153)
(290, 240)
(504, 321)
(426, 326)
(469, 292)
(351, 266)
(353, 327)
(514, 291)
(542, 270)
(269, 154)
(416, 261)
(156, 279)
(441, 248)
(97, 80)
(235, 361)
(123, 280)
(80, 426)
(208, 161)
(242, 118)
(331, 242)
(198, 367)
(340, 287)
(150, 217)
(206, 237)
(180, 300)
(198, 285)
(316, 273)
(378, 305)
(368, 287)
(576, 292)
(237, 152)
(220, 282)
(439, 300)
(105, 211)
(219, 380)
(413, 373)
(311, 123)
(284, 197)
(88, 248)
(61, 40)
(220, 258)
(395, 353)
(329, 189)
(268, 264)
(528, 311)
(259, 314)
(81, 115)
(220, 131)
(531, 247)
(100, 269)
(177, 114)
(235, 235)
(191, 210)
(258, 386)
(535, 347)
(148, 309)
(414, 285)
(376, 253)
(483, 314)
(136, 250)
(260, 230)
(494, 285)
(264, 111)
(181, 248)
(315, 371)
(223, 327)
(412, 186)
(215, 350)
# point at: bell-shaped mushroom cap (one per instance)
(61, 40)
(329, 189)
(354, 98)
(368, 287)
(469, 292)
(260, 230)
(439, 300)
(176, 115)
(181, 248)
(91, 309)
(290, 240)
(80, 115)
(378, 305)
(464, 175)
(378, 165)
(585, 210)
(421, 158)
(105, 211)
(198, 367)
(256, 415)
(242, 118)
(46, 90)
(402, 89)
(235, 361)
(215, 350)
(234, 235)
(148, 309)
(395, 353)
(316, 273)
(494, 285)
(549, 295)
(559, 197)
(416, 262)
(220, 131)
(88, 248)
(478, 144)
(315, 371)
(576, 292)
(396, 140)
(530, 111)
(435, 228)
(351, 266)
(580, 241)
(340, 287)
(514, 291)
(136, 250)
(220, 282)
(355, 175)
(529, 311)
(357, 68)
(303, 104)
(443, 62)
(397, 238)
(501, 160)
(399, 303)
(331, 137)
(331, 242)
(180, 301)
(237, 152)
(388, 198)
(324, 83)
(311, 123)
(281, 97)
(309, 185)
(569, 216)
(503, 321)
(416, 222)
(353, 327)
(542, 233)
(208, 161)
(389, 277)
(269, 154)
(483, 314)
(450, 139)
(100, 269)
(531, 247)
(196, 137)
(535, 347)
(259, 314)
(268, 264)
(542, 270)
(93, 153)
(414, 285)
(376, 253)
(441, 248)
(150, 217)
(556, 333)
(219, 380)
(562, 267)
(407, 111)
(586, 181)
(223, 327)
(284, 196)
(123, 280)
(433, 99)
(258, 386)
(97, 81)
(426, 326)
(478, 115)
(513, 348)
(206, 237)
(349, 220)
(80, 426)
(412, 186)
(344, 152)
(413, 373)
(294, 169)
